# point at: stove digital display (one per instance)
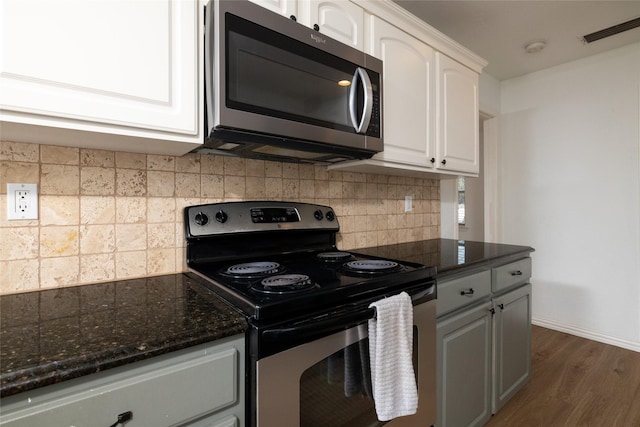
(270, 215)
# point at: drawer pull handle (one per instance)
(470, 291)
(501, 306)
(517, 273)
(123, 418)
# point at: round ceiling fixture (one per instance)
(535, 46)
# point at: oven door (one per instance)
(326, 382)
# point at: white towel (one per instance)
(390, 347)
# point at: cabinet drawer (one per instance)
(511, 274)
(160, 394)
(456, 293)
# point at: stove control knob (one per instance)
(330, 216)
(318, 215)
(221, 216)
(201, 218)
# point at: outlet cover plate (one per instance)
(22, 201)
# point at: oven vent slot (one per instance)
(612, 31)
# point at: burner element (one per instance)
(284, 283)
(253, 269)
(372, 266)
(333, 256)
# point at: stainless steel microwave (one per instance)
(278, 90)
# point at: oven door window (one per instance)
(337, 390)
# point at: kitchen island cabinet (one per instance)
(123, 75)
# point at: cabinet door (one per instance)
(167, 392)
(464, 368)
(341, 20)
(512, 325)
(126, 64)
(457, 129)
(407, 95)
(283, 7)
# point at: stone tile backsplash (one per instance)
(107, 215)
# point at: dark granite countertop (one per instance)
(50, 336)
(450, 256)
(55, 335)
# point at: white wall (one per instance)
(490, 115)
(473, 229)
(570, 174)
(489, 95)
(490, 118)
(448, 208)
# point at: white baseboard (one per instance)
(584, 333)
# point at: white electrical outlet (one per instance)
(22, 201)
(408, 203)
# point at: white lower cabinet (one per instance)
(200, 386)
(483, 342)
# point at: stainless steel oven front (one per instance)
(324, 382)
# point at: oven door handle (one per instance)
(337, 320)
(317, 326)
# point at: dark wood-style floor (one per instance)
(575, 382)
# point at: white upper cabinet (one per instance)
(128, 68)
(457, 128)
(408, 95)
(340, 20)
(286, 8)
(429, 94)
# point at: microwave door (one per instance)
(273, 84)
(267, 79)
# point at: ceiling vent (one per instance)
(612, 31)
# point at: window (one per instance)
(461, 204)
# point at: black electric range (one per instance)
(275, 260)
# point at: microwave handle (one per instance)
(361, 76)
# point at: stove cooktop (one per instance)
(304, 283)
(279, 260)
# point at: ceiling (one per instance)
(498, 30)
